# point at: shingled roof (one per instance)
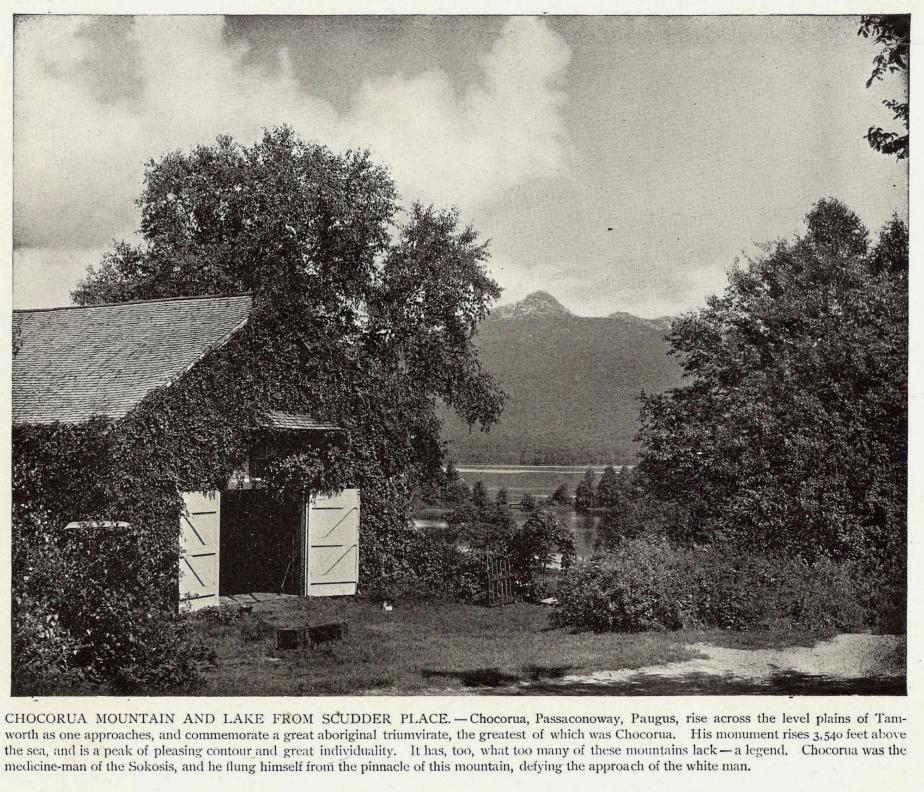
(299, 422)
(77, 362)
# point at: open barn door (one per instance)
(199, 544)
(332, 544)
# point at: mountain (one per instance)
(573, 384)
(538, 303)
(660, 323)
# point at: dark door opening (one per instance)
(260, 544)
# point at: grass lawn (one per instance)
(422, 647)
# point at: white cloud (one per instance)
(466, 149)
(79, 156)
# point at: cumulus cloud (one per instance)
(81, 140)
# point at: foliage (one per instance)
(453, 489)
(94, 604)
(431, 569)
(357, 320)
(633, 513)
(636, 589)
(530, 548)
(791, 433)
(584, 493)
(560, 496)
(444, 487)
(615, 526)
(480, 524)
(401, 562)
(479, 495)
(893, 32)
(44, 651)
(657, 585)
(609, 488)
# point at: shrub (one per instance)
(656, 585)
(428, 568)
(748, 591)
(633, 588)
(446, 572)
(96, 606)
(530, 547)
(43, 651)
(485, 527)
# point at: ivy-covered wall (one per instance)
(107, 593)
(98, 605)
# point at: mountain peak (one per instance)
(538, 303)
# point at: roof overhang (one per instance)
(278, 420)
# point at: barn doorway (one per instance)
(261, 544)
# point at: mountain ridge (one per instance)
(541, 303)
(573, 384)
(537, 303)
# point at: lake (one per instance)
(583, 526)
(540, 481)
(519, 480)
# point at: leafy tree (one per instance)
(893, 32)
(360, 317)
(480, 495)
(528, 503)
(560, 496)
(584, 492)
(531, 546)
(615, 526)
(453, 489)
(501, 498)
(609, 488)
(791, 432)
(482, 525)
(635, 513)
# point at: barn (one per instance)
(76, 363)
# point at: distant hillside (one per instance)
(573, 384)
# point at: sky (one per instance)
(619, 163)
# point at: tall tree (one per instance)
(453, 489)
(584, 492)
(479, 495)
(791, 432)
(608, 489)
(893, 32)
(358, 318)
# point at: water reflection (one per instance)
(583, 526)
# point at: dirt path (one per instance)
(843, 664)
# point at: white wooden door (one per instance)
(199, 545)
(332, 544)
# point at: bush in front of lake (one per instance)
(658, 585)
